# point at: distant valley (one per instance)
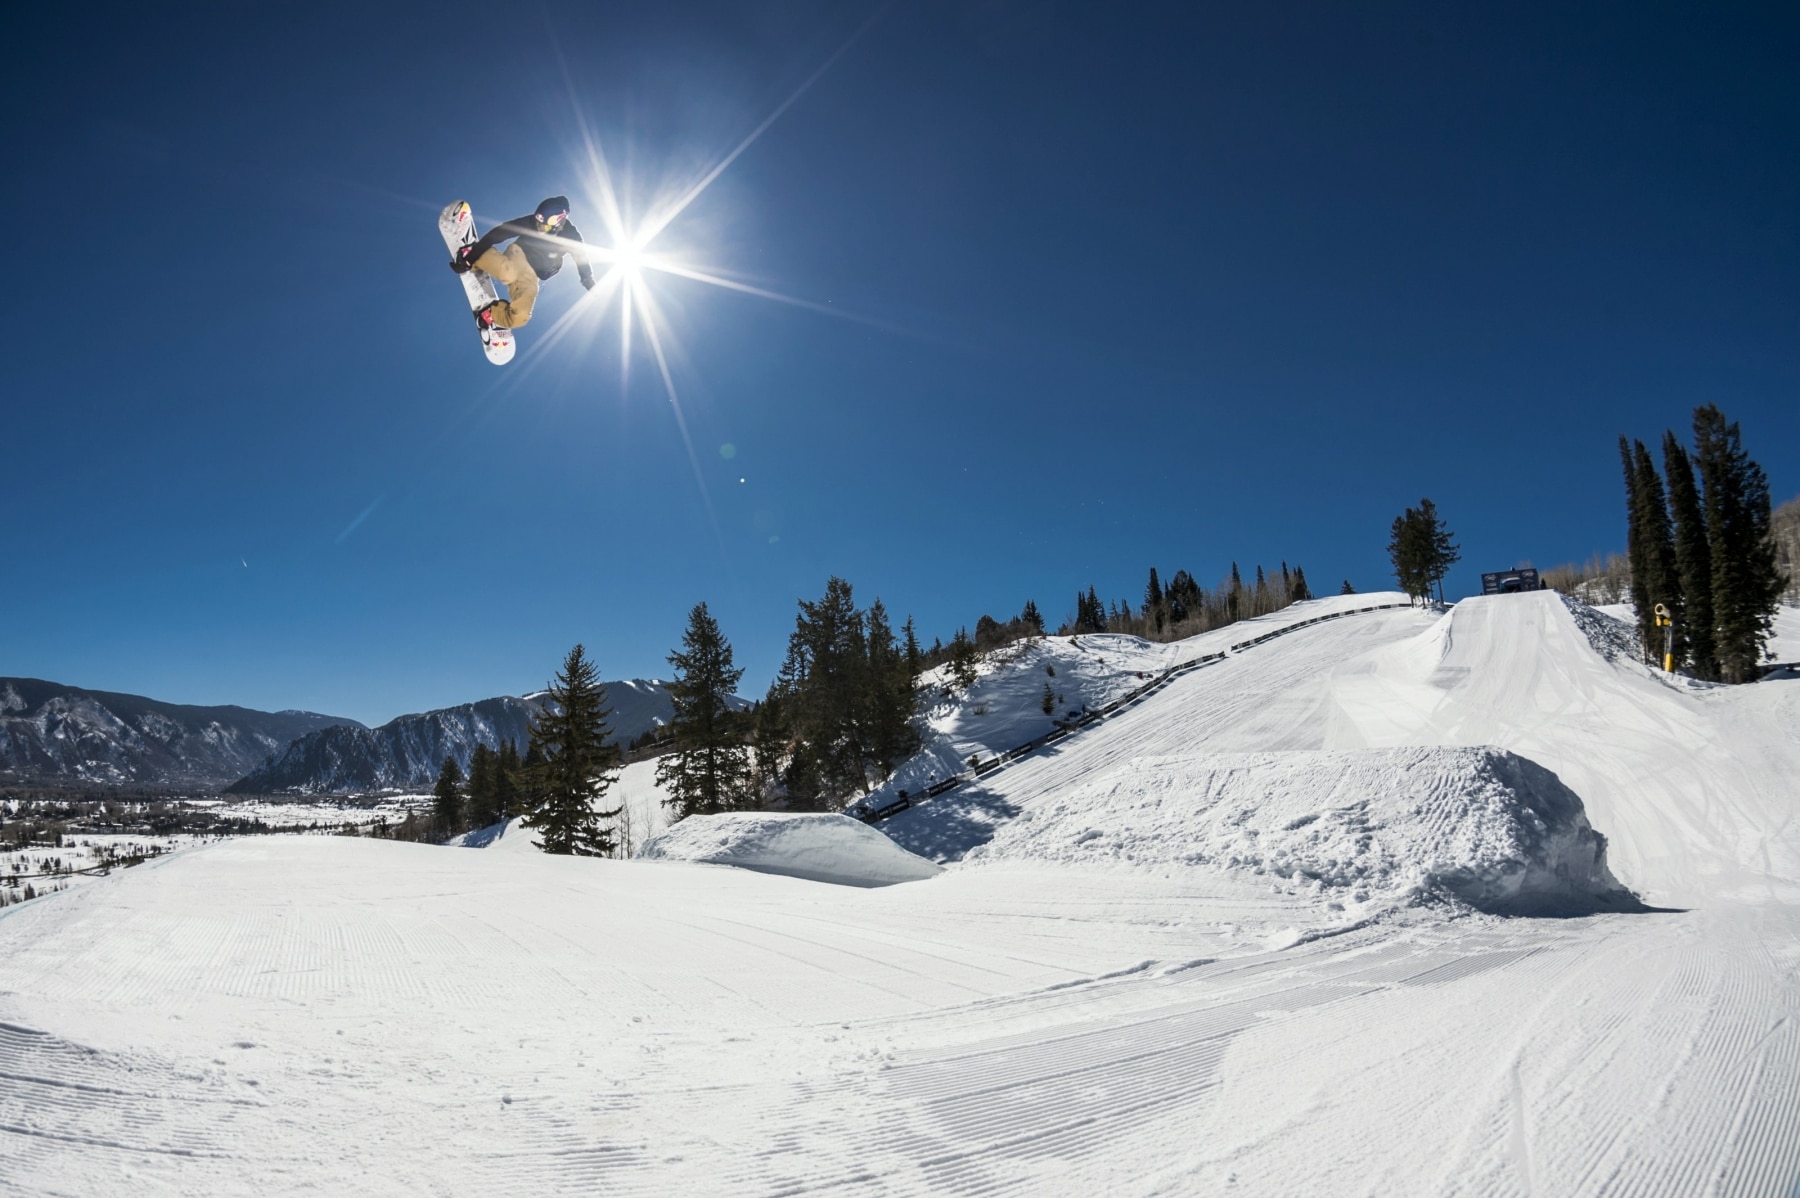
(52, 733)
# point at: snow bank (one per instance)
(1369, 828)
(822, 848)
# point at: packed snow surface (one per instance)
(1050, 1014)
(824, 848)
(1363, 829)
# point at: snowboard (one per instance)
(457, 224)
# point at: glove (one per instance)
(463, 262)
(587, 284)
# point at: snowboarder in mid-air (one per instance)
(543, 238)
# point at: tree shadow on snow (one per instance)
(944, 829)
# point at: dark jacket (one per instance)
(542, 250)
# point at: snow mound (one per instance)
(822, 848)
(1362, 829)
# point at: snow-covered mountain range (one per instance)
(407, 752)
(53, 732)
(50, 732)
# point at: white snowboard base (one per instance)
(457, 224)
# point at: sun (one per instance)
(625, 262)
(629, 259)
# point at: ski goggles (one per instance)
(552, 220)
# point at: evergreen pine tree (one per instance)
(1030, 617)
(531, 769)
(1153, 602)
(446, 808)
(1693, 560)
(1183, 595)
(1634, 540)
(1442, 552)
(507, 785)
(963, 656)
(1409, 548)
(1089, 615)
(1656, 545)
(889, 698)
(1746, 585)
(575, 763)
(1300, 591)
(1347, 589)
(915, 659)
(1049, 700)
(482, 806)
(772, 739)
(823, 682)
(708, 771)
(1234, 597)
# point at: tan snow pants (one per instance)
(509, 267)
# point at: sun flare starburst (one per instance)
(627, 261)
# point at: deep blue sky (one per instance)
(1169, 285)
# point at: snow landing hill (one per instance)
(55, 733)
(1253, 933)
(406, 753)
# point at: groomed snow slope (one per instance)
(327, 1015)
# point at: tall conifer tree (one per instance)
(915, 658)
(1746, 585)
(963, 656)
(888, 696)
(1693, 560)
(483, 797)
(574, 765)
(708, 770)
(823, 682)
(1656, 548)
(507, 771)
(447, 801)
(1409, 550)
(1634, 540)
(1442, 552)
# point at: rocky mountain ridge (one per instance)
(406, 753)
(52, 732)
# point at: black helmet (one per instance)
(551, 208)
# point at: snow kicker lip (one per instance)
(817, 848)
(1365, 829)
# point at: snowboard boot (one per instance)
(484, 318)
